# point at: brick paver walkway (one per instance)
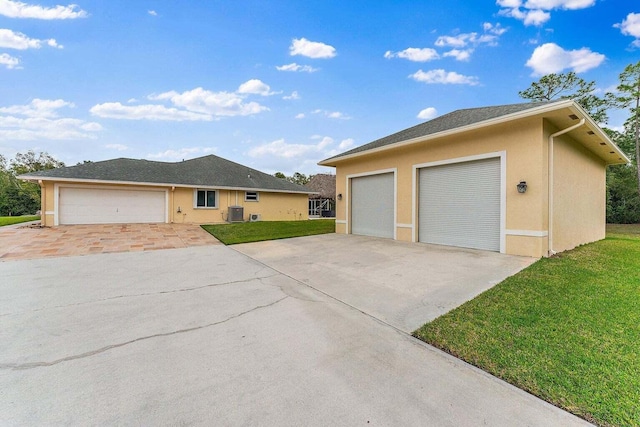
(23, 242)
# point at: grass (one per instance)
(8, 220)
(245, 232)
(566, 329)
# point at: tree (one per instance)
(297, 178)
(568, 86)
(18, 197)
(628, 96)
(29, 162)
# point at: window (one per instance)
(206, 199)
(251, 196)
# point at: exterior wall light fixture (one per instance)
(340, 196)
(522, 187)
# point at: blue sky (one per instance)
(281, 85)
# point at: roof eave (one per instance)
(596, 129)
(156, 184)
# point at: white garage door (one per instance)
(108, 206)
(372, 203)
(460, 204)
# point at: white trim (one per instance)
(56, 197)
(405, 226)
(340, 221)
(195, 198)
(395, 194)
(527, 233)
(257, 199)
(503, 189)
(155, 184)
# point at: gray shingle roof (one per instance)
(208, 171)
(450, 121)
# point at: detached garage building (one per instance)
(207, 189)
(522, 179)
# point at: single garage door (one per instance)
(372, 203)
(460, 204)
(109, 206)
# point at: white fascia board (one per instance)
(156, 184)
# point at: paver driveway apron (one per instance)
(403, 284)
(22, 242)
(208, 336)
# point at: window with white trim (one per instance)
(251, 196)
(206, 199)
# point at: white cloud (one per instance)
(39, 120)
(294, 95)
(280, 148)
(9, 61)
(414, 54)
(536, 12)
(16, 9)
(311, 49)
(117, 147)
(300, 116)
(182, 153)
(559, 4)
(115, 110)
(332, 114)
(38, 108)
(297, 68)
(210, 103)
(428, 113)
(193, 105)
(443, 77)
(255, 87)
(152, 12)
(345, 144)
(551, 58)
(630, 26)
(496, 29)
(459, 55)
(13, 40)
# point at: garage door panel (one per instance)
(110, 206)
(372, 205)
(460, 204)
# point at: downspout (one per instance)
(172, 219)
(43, 204)
(551, 137)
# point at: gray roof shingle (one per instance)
(450, 121)
(207, 171)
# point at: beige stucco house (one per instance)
(523, 179)
(208, 190)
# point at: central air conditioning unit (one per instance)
(236, 214)
(255, 217)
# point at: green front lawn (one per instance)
(566, 329)
(8, 220)
(245, 232)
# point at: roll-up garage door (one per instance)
(110, 206)
(372, 205)
(460, 204)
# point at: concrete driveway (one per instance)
(402, 284)
(209, 336)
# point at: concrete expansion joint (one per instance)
(144, 294)
(33, 365)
